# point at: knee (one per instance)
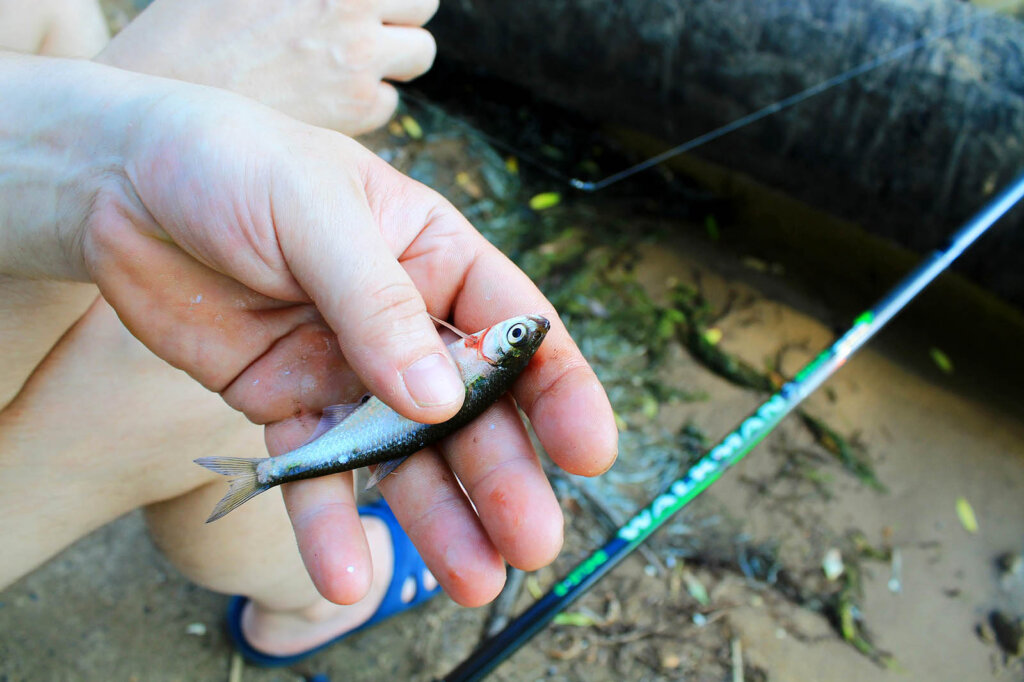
(241, 553)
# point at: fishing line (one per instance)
(865, 67)
(729, 450)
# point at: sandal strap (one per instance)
(407, 563)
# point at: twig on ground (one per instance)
(737, 660)
(504, 605)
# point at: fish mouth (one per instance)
(540, 331)
(543, 326)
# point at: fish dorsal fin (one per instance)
(334, 415)
(450, 327)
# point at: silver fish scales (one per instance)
(372, 433)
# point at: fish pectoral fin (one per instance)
(382, 470)
(334, 415)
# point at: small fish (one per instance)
(350, 437)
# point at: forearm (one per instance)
(64, 126)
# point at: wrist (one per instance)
(64, 130)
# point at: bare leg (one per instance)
(255, 554)
(33, 315)
(100, 428)
(109, 427)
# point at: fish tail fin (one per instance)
(242, 489)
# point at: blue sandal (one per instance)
(408, 564)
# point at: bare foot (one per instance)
(286, 633)
(323, 63)
(58, 28)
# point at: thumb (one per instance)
(344, 264)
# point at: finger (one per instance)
(406, 52)
(326, 522)
(466, 278)
(430, 505)
(407, 12)
(495, 461)
(372, 116)
(558, 391)
(368, 299)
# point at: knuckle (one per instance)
(357, 53)
(393, 303)
(354, 8)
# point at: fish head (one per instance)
(514, 341)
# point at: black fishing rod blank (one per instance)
(730, 450)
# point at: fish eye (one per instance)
(516, 333)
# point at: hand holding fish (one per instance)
(282, 265)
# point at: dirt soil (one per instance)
(734, 587)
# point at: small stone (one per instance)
(832, 564)
(195, 629)
(670, 661)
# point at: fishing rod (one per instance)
(729, 450)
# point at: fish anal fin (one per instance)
(382, 470)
